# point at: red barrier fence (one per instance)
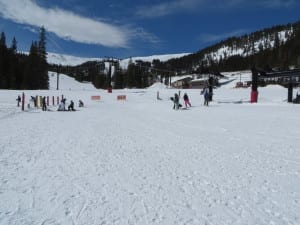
(121, 97)
(96, 97)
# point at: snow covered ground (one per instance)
(139, 162)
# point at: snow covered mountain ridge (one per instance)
(244, 46)
(62, 59)
(251, 44)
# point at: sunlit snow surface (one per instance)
(140, 162)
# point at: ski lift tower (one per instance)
(111, 62)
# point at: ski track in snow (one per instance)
(140, 162)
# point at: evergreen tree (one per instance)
(3, 39)
(3, 62)
(100, 80)
(13, 65)
(131, 73)
(119, 79)
(42, 65)
(31, 75)
(13, 46)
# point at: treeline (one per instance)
(21, 71)
(105, 74)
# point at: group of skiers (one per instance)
(175, 100)
(205, 92)
(62, 105)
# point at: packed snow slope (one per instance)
(139, 162)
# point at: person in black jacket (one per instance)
(44, 105)
(71, 106)
(206, 95)
(176, 101)
(18, 100)
(80, 103)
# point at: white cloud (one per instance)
(175, 6)
(167, 8)
(65, 24)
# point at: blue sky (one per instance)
(124, 28)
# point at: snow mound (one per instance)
(67, 83)
(157, 85)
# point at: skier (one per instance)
(186, 100)
(176, 101)
(206, 95)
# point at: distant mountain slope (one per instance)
(68, 60)
(250, 44)
(277, 46)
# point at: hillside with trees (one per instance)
(271, 48)
(276, 47)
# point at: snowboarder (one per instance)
(71, 106)
(186, 100)
(18, 100)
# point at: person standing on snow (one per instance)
(44, 105)
(18, 100)
(33, 99)
(206, 96)
(176, 101)
(186, 100)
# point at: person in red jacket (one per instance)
(186, 100)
